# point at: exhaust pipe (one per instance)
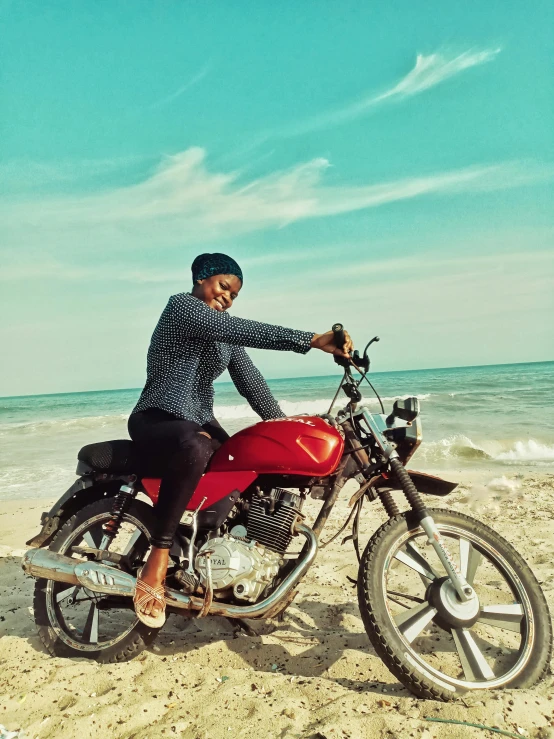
(52, 566)
(92, 575)
(103, 579)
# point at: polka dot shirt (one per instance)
(194, 344)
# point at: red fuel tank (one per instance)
(300, 445)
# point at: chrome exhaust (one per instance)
(103, 579)
(92, 575)
(52, 566)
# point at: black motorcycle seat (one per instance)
(117, 457)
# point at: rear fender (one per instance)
(85, 490)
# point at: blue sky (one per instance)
(387, 165)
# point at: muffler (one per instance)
(101, 578)
(92, 575)
(52, 566)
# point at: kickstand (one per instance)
(240, 626)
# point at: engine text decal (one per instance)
(294, 420)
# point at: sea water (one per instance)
(498, 420)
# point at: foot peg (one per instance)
(189, 583)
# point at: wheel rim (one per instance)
(469, 648)
(88, 621)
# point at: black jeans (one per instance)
(181, 452)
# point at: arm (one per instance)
(252, 386)
(195, 319)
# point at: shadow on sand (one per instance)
(306, 644)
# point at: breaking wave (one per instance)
(461, 448)
(222, 412)
(298, 407)
(453, 447)
(528, 451)
(84, 423)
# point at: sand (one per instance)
(314, 675)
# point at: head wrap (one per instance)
(207, 265)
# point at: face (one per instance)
(218, 291)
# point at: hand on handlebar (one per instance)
(326, 342)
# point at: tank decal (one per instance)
(316, 448)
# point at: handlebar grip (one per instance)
(339, 338)
(338, 331)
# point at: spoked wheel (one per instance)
(74, 621)
(437, 646)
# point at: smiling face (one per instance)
(218, 291)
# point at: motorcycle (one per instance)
(447, 603)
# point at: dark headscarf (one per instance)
(207, 265)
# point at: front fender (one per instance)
(426, 484)
(430, 484)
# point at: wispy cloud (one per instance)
(194, 80)
(433, 69)
(429, 70)
(506, 254)
(183, 203)
(20, 175)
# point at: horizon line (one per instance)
(300, 377)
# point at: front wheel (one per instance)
(75, 622)
(437, 646)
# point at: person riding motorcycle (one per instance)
(424, 575)
(173, 424)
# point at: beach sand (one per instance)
(314, 675)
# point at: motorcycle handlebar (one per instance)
(339, 339)
(338, 331)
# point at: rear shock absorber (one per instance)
(120, 506)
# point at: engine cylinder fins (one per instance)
(270, 519)
(285, 496)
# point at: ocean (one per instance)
(495, 420)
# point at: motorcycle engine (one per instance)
(248, 559)
(246, 567)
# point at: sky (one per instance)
(386, 165)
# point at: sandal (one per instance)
(149, 593)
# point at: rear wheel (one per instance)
(75, 622)
(435, 645)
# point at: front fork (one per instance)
(463, 589)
